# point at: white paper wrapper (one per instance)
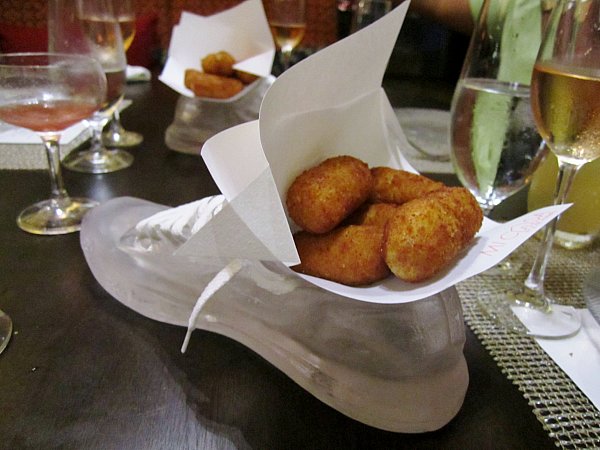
(329, 104)
(242, 31)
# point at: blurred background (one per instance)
(425, 63)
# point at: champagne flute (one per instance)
(47, 93)
(495, 146)
(116, 135)
(287, 20)
(90, 27)
(565, 97)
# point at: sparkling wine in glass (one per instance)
(116, 135)
(126, 18)
(565, 98)
(91, 27)
(287, 20)
(47, 93)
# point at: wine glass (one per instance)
(287, 20)
(368, 11)
(565, 94)
(116, 135)
(47, 93)
(494, 144)
(90, 27)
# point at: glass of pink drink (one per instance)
(47, 93)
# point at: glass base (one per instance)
(51, 217)
(591, 292)
(573, 241)
(508, 267)
(554, 322)
(98, 162)
(6, 329)
(122, 138)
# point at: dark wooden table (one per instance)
(82, 371)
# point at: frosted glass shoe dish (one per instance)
(395, 367)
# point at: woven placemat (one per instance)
(33, 156)
(564, 411)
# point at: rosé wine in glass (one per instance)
(46, 93)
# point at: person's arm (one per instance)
(455, 14)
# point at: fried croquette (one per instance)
(212, 86)
(350, 255)
(373, 214)
(190, 76)
(400, 186)
(245, 77)
(426, 234)
(219, 63)
(321, 197)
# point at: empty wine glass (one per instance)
(47, 93)
(495, 146)
(565, 97)
(287, 20)
(115, 135)
(90, 27)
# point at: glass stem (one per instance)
(97, 125)
(535, 280)
(57, 187)
(486, 208)
(115, 123)
(286, 58)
